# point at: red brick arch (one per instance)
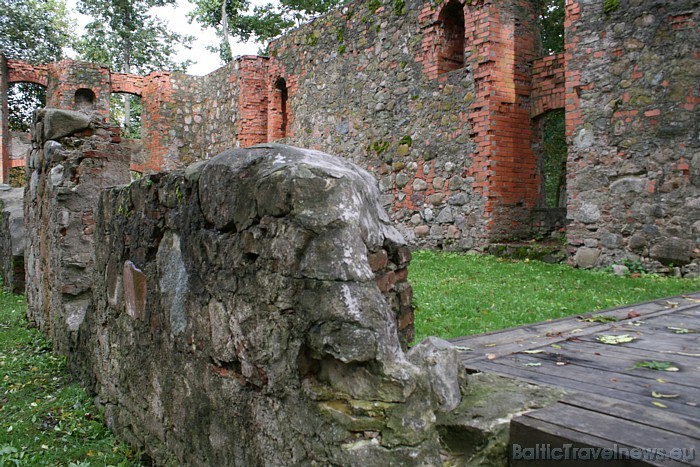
(23, 72)
(126, 83)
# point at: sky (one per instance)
(176, 16)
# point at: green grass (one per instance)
(458, 295)
(45, 417)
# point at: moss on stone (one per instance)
(610, 6)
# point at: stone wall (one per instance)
(73, 157)
(366, 82)
(12, 239)
(239, 318)
(633, 125)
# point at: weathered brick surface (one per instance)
(548, 89)
(632, 117)
(5, 137)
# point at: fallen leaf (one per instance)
(615, 340)
(555, 346)
(654, 365)
(633, 314)
(659, 404)
(490, 356)
(659, 395)
(691, 299)
(692, 404)
(533, 351)
(671, 304)
(659, 380)
(462, 348)
(490, 345)
(681, 330)
(562, 363)
(599, 319)
(532, 364)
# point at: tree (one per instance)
(265, 22)
(552, 25)
(35, 31)
(125, 37)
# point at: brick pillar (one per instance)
(252, 100)
(5, 136)
(572, 74)
(505, 39)
(158, 107)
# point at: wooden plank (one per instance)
(659, 340)
(599, 382)
(675, 423)
(615, 430)
(503, 342)
(529, 431)
(614, 360)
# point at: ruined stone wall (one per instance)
(239, 318)
(633, 123)
(188, 118)
(451, 150)
(72, 159)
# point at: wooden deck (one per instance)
(611, 401)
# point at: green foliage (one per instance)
(311, 39)
(22, 100)
(125, 37)
(610, 6)
(635, 267)
(340, 35)
(117, 113)
(554, 154)
(399, 7)
(342, 48)
(457, 295)
(373, 5)
(18, 177)
(47, 419)
(407, 140)
(265, 21)
(378, 146)
(552, 26)
(34, 30)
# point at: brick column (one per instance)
(253, 101)
(5, 136)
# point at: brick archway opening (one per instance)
(84, 99)
(278, 109)
(451, 35)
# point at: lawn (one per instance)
(457, 295)
(47, 419)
